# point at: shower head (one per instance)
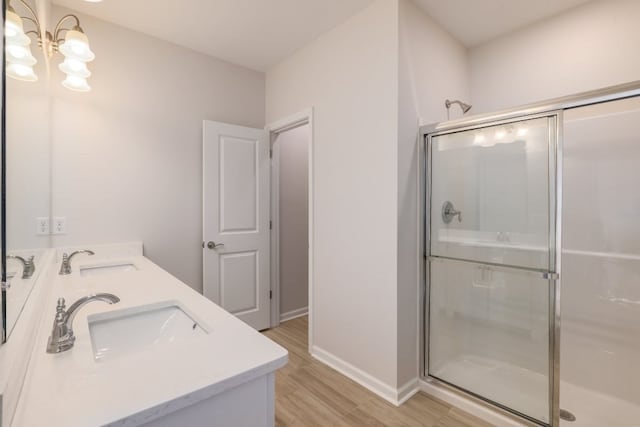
(464, 106)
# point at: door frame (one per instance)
(301, 118)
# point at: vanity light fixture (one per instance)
(74, 47)
(20, 61)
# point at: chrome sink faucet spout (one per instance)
(65, 267)
(28, 266)
(62, 337)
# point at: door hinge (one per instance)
(271, 154)
(270, 225)
(270, 294)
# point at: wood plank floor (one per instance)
(309, 393)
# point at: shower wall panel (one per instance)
(600, 339)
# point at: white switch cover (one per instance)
(42, 226)
(60, 225)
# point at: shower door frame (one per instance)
(554, 195)
(555, 108)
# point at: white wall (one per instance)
(589, 47)
(437, 65)
(293, 210)
(28, 148)
(127, 155)
(28, 159)
(349, 76)
(432, 67)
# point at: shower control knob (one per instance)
(449, 212)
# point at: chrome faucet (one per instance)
(62, 337)
(28, 266)
(65, 268)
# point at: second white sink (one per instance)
(121, 332)
(101, 270)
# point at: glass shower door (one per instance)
(491, 262)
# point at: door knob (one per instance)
(214, 245)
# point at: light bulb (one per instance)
(76, 83)
(522, 131)
(13, 24)
(76, 46)
(14, 30)
(21, 72)
(73, 67)
(500, 134)
(20, 55)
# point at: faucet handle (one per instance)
(60, 310)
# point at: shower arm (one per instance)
(463, 106)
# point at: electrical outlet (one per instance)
(60, 225)
(42, 226)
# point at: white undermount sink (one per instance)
(105, 269)
(130, 330)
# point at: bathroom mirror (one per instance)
(26, 174)
(121, 162)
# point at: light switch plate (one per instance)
(42, 226)
(60, 225)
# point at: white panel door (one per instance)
(236, 237)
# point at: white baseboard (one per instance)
(493, 417)
(407, 391)
(385, 391)
(290, 315)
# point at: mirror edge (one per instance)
(3, 185)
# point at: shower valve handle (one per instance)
(448, 212)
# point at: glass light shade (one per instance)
(21, 72)
(73, 67)
(76, 83)
(20, 55)
(76, 46)
(14, 30)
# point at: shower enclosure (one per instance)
(503, 323)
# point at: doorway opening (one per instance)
(291, 215)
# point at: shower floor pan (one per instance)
(590, 408)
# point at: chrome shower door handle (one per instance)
(213, 245)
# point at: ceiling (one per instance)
(259, 33)
(474, 22)
(252, 33)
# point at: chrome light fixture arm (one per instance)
(33, 19)
(50, 41)
(58, 28)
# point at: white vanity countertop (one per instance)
(73, 389)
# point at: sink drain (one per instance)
(566, 415)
